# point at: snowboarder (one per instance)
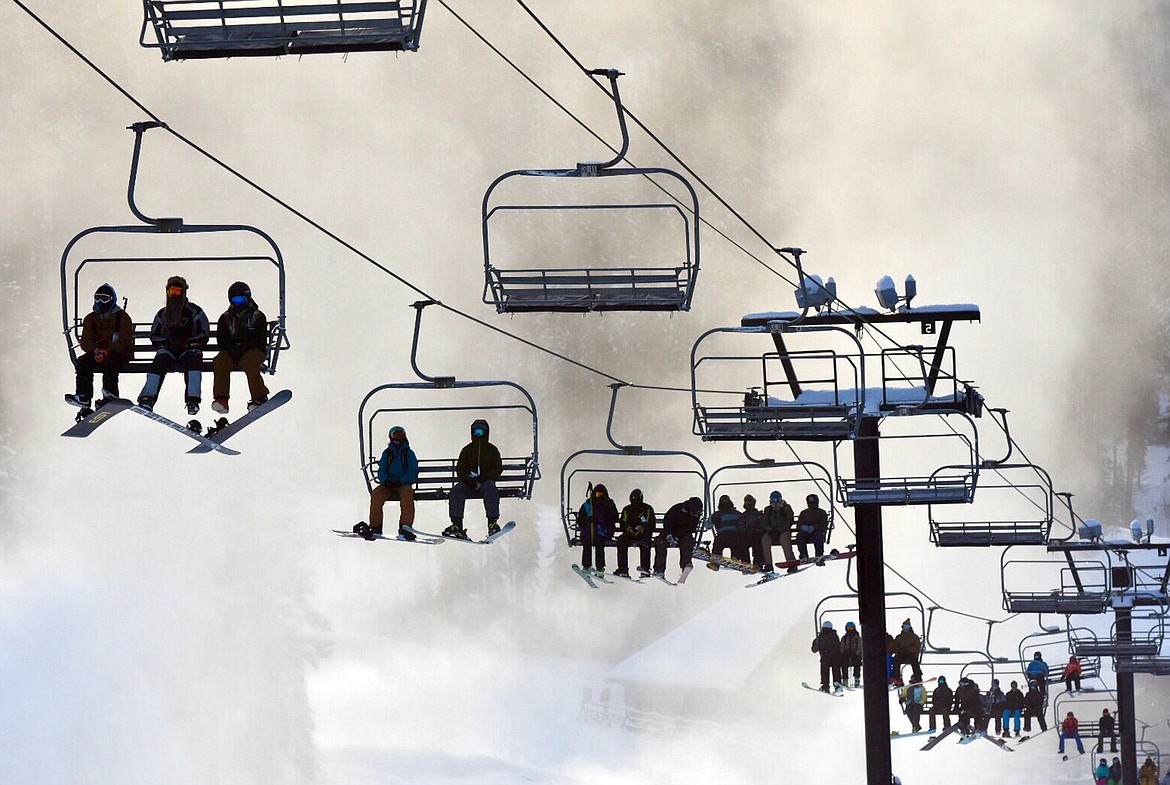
(1037, 671)
(968, 705)
(1069, 730)
(1013, 708)
(397, 473)
(596, 521)
(107, 343)
(941, 701)
(828, 645)
(727, 523)
(907, 649)
(778, 522)
(995, 702)
(912, 697)
(678, 531)
(811, 527)
(242, 331)
(1149, 773)
(478, 468)
(752, 527)
(1106, 729)
(851, 655)
(179, 332)
(1034, 707)
(1072, 675)
(636, 524)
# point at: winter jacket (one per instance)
(751, 522)
(1014, 700)
(190, 331)
(679, 522)
(1037, 671)
(398, 465)
(239, 330)
(779, 519)
(638, 520)
(1106, 724)
(827, 644)
(113, 331)
(912, 693)
(996, 700)
(1148, 774)
(1115, 772)
(1071, 670)
(1034, 703)
(1102, 773)
(967, 698)
(598, 515)
(942, 699)
(851, 644)
(726, 519)
(482, 457)
(907, 644)
(813, 519)
(1069, 726)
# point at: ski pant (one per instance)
(970, 721)
(1075, 736)
(461, 492)
(686, 547)
(189, 362)
(733, 541)
(1070, 681)
(250, 363)
(623, 542)
(767, 540)
(830, 672)
(1039, 718)
(914, 714)
(815, 537)
(592, 543)
(945, 713)
(1101, 741)
(384, 493)
(1012, 714)
(87, 366)
(851, 661)
(904, 658)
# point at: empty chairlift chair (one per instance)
(541, 285)
(1018, 500)
(204, 29)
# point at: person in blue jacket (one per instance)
(397, 473)
(1037, 671)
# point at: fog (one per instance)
(175, 618)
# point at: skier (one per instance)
(778, 523)
(478, 468)
(1069, 730)
(179, 332)
(727, 523)
(1037, 671)
(1149, 772)
(1106, 729)
(678, 531)
(242, 331)
(1013, 708)
(941, 701)
(107, 340)
(636, 524)
(1034, 707)
(967, 705)
(596, 521)
(828, 645)
(397, 473)
(851, 655)
(912, 697)
(811, 527)
(752, 528)
(1072, 675)
(996, 702)
(907, 648)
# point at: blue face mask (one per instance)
(239, 299)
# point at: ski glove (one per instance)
(671, 541)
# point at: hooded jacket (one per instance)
(190, 330)
(598, 515)
(112, 331)
(827, 644)
(680, 521)
(479, 456)
(398, 464)
(726, 519)
(637, 520)
(779, 518)
(242, 328)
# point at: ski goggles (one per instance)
(478, 432)
(238, 299)
(103, 299)
(175, 291)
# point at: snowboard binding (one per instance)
(362, 529)
(218, 426)
(195, 426)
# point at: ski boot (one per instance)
(192, 406)
(856, 683)
(456, 530)
(107, 396)
(622, 573)
(405, 534)
(362, 529)
(493, 526)
(644, 573)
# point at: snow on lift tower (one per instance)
(605, 284)
(655, 472)
(80, 266)
(206, 29)
(436, 476)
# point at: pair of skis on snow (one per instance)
(425, 538)
(592, 577)
(87, 425)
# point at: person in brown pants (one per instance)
(397, 473)
(242, 331)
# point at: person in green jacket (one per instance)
(478, 468)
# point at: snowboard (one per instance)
(834, 694)
(832, 555)
(417, 540)
(895, 687)
(934, 741)
(221, 435)
(87, 425)
(91, 423)
(507, 527)
(714, 562)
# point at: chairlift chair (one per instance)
(204, 29)
(1024, 490)
(604, 286)
(1082, 585)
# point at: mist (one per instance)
(175, 618)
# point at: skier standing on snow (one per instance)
(478, 468)
(179, 332)
(1013, 708)
(397, 473)
(907, 648)
(851, 655)
(107, 343)
(811, 527)
(242, 331)
(678, 531)
(596, 521)
(636, 524)
(728, 525)
(778, 522)
(828, 645)
(941, 701)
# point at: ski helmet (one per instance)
(695, 505)
(239, 293)
(479, 429)
(850, 625)
(1036, 656)
(775, 497)
(398, 429)
(812, 498)
(828, 625)
(104, 299)
(636, 496)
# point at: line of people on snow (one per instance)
(179, 334)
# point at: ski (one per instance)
(663, 579)
(224, 433)
(893, 687)
(715, 561)
(899, 735)
(417, 540)
(507, 527)
(970, 737)
(1022, 739)
(768, 577)
(686, 573)
(598, 575)
(834, 694)
(1003, 745)
(627, 578)
(87, 425)
(934, 741)
(586, 576)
